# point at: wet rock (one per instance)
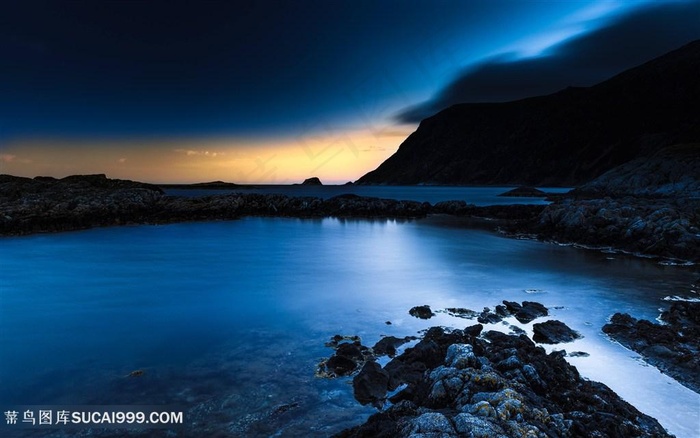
(517, 330)
(578, 354)
(553, 332)
(370, 384)
(337, 339)
(387, 345)
(430, 424)
(527, 311)
(473, 426)
(347, 359)
(422, 312)
(673, 348)
(461, 356)
(461, 312)
(341, 366)
(665, 227)
(500, 385)
(489, 317)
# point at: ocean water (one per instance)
(228, 319)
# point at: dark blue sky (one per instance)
(275, 91)
(257, 67)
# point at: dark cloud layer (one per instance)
(582, 61)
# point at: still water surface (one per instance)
(228, 319)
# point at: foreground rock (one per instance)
(459, 384)
(526, 312)
(553, 332)
(422, 312)
(673, 348)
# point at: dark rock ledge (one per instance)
(674, 348)
(45, 204)
(48, 205)
(465, 383)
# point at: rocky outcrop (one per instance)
(566, 138)
(649, 206)
(47, 204)
(671, 172)
(525, 192)
(553, 332)
(313, 181)
(660, 227)
(460, 384)
(673, 348)
(84, 201)
(422, 312)
(524, 313)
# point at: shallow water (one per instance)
(228, 319)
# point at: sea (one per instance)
(227, 321)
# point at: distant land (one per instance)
(564, 139)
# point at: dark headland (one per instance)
(630, 145)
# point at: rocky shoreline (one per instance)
(674, 348)
(661, 227)
(480, 384)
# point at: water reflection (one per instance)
(229, 318)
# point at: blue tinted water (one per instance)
(228, 319)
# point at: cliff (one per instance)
(566, 138)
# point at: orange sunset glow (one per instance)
(334, 157)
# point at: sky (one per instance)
(277, 91)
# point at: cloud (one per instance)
(10, 158)
(584, 60)
(192, 152)
(121, 160)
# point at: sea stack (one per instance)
(313, 181)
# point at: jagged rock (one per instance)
(430, 424)
(422, 312)
(553, 332)
(461, 385)
(347, 359)
(660, 227)
(529, 311)
(461, 312)
(673, 348)
(387, 345)
(370, 384)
